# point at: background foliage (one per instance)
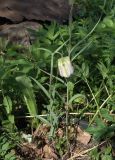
(30, 82)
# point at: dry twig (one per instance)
(85, 151)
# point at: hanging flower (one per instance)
(65, 67)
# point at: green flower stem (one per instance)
(67, 116)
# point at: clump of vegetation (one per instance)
(69, 69)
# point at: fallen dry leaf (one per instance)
(82, 136)
(41, 130)
(60, 133)
(49, 152)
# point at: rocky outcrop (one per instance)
(16, 16)
(19, 10)
(19, 33)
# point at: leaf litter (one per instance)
(44, 148)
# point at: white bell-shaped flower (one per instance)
(65, 67)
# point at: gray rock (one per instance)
(18, 10)
(18, 33)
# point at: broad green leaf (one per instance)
(108, 22)
(103, 70)
(108, 150)
(24, 82)
(85, 69)
(78, 98)
(11, 118)
(42, 88)
(10, 156)
(5, 146)
(28, 94)
(8, 104)
(106, 157)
